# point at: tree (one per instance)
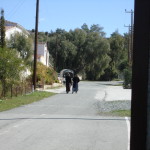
(2, 30)
(70, 52)
(54, 47)
(116, 55)
(82, 50)
(96, 28)
(23, 44)
(79, 39)
(10, 68)
(61, 49)
(85, 28)
(97, 59)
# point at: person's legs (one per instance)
(67, 88)
(76, 88)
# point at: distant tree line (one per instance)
(88, 52)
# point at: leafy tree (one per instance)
(82, 50)
(85, 28)
(2, 30)
(79, 39)
(10, 68)
(96, 56)
(70, 52)
(54, 47)
(96, 28)
(116, 55)
(60, 48)
(23, 45)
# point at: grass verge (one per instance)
(23, 100)
(121, 113)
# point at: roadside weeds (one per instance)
(8, 104)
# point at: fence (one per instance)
(16, 90)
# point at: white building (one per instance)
(13, 28)
(42, 51)
(43, 54)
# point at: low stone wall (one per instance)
(53, 85)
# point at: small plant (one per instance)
(122, 113)
(127, 78)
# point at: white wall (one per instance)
(43, 53)
(12, 31)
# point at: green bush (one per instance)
(127, 78)
(45, 75)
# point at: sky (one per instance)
(70, 14)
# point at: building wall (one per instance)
(42, 51)
(43, 54)
(12, 31)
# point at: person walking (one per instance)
(76, 80)
(68, 83)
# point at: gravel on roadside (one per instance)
(108, 106)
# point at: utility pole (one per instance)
(131, 29)
(35, 45)
(129, 44)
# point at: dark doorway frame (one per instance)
(140, 104)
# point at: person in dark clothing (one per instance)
(76, 80)
(68, 83)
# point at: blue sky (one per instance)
(70, 14)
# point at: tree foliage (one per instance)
(117, 56)
(23, 44)
(10, 68)
(97, 50)
(87, 51)
(45, 75)
(82, 50)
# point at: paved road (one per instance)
(63, 122)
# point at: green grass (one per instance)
(23, 100)
(121, 113)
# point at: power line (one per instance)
(12, 12)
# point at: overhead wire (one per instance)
(14, 10)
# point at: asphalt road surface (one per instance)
(63, 122)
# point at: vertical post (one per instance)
(129, 48)
(129, 44)
(140, 104)
(131, 34)
(11, 91)
(132, 30)
(35, 44)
